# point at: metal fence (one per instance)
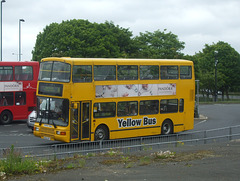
(128, 145)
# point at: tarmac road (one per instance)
(223, 164)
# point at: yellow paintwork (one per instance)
(77, 92)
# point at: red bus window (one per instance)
(20, 98)
(23, 73)
(6, 99)
(6, 73)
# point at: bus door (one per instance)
(75, 114)
(80, 120)
(85, 120)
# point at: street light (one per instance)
(3, 1)
(216, 62)
(20, 20)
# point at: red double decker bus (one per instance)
(18, 82)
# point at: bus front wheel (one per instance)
(101, 133)
(6, 117)
(167, 127)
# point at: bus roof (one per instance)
(18, 63)
(114, 60)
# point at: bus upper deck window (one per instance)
(127, 72)
(185, 72)
(169, 72)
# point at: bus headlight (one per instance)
(36, 128)
(60, 132)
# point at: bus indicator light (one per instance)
(61, 133)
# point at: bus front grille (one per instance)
(47, 131)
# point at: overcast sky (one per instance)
(195, 22)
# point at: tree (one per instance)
(80, 38)
(158, 45)
(228, 67)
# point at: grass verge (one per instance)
(14, 165)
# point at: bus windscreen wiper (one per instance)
(54, 124)
(40, 123)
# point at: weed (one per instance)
(125, 159)
(112, 152)
(180, 143)
(91, 154)
(82, 163)
(145, 160)
(146, 148)
(15, 164)
(70, 166)
(163, 154)
(129, 165)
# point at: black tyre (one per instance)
(101, 133)
(6, 117)
(167, 127)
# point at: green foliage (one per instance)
(112, 152)
(80, 38)
(146, 160)
(14, 164)
(125, 159)
(158, 45)
(82, 163)
(228, 67)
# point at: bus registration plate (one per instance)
(46, 138)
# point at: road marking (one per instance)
(201, 122)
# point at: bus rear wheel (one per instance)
(6, 117)
(167, 127)
(101, 133)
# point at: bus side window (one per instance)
(104, 109)
(7, 77)
(23, 73)
(17, 76)
(185, 72)
(149, 107)
(169, 72)
(24, 77)
(82, 73)
(104, 72)
(127, 108)
(3, 101)
(127, 72)
(168, 106)
(149, 72)
(6, 99)
(20, 98)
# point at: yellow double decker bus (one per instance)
(98, 99)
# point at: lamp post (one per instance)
(216, 62)
(20, 20)
(3, 1)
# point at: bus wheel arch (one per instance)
(101, 133)
(6, 117)
(167, 127)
